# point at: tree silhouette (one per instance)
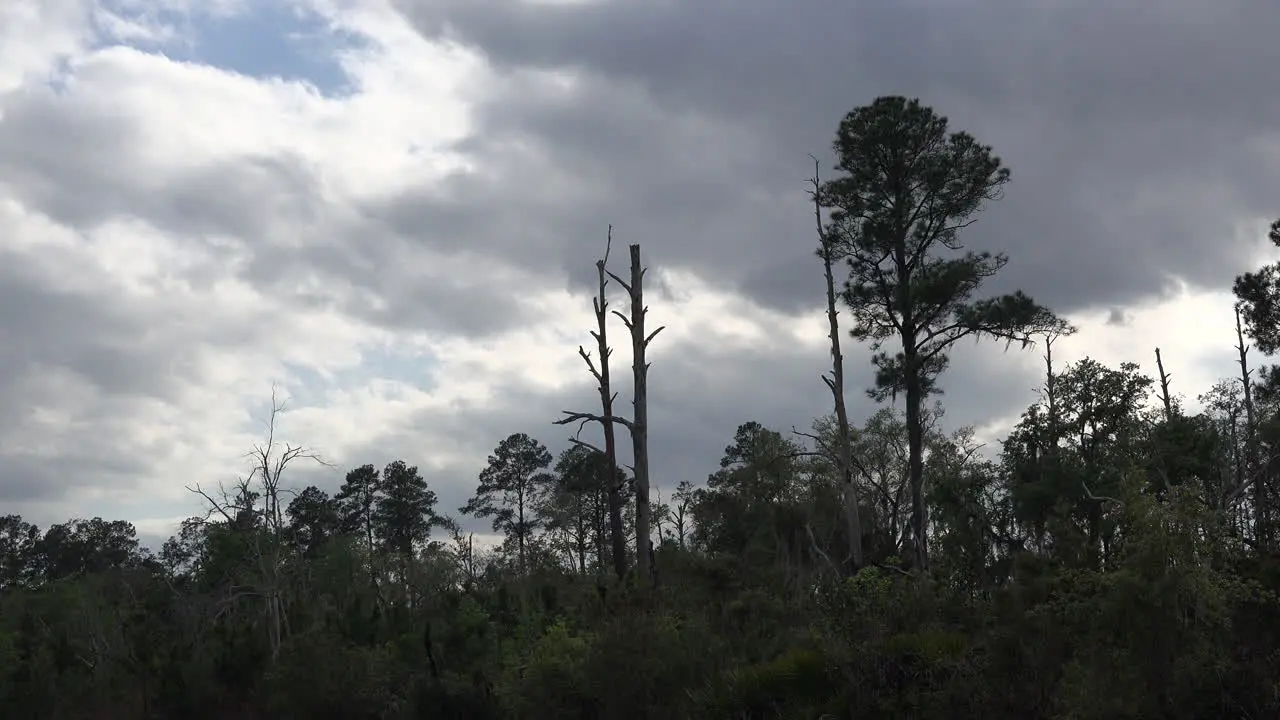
(511, 487)
(404, 513)
(908, 187)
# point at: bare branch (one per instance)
(843, 455)
(813, 541)
(827, 452)
(625, 285)
(591, 366)
(653, 335)
(625, 320)
(214, 505)
(1097, 498)
(585, 444)
(607, 397)
(570, 416)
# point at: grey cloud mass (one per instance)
(64, 159)
(1134, 131)
(1138, 134)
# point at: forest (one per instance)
(1116, 555)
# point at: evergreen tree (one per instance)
(908, 187)
(313, 519)
(511, 487)
(404, 512)
(356, 500)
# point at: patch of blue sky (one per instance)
(303, 386)
(269, 39)
(307, 386)
(414, 369)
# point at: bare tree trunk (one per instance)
(269, 464)
(853, 518)
(581, 540)
(608, 475)
(1261, 529)
(915, 470)
(1237, 458)
(1164, 387)
(1051, 391)
(638, 424)
(521, 532)
(640, 419)
(1162, 466)
(599, 517)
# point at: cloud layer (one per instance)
(391, 211)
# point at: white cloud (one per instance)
(161, 340)
(221, 339)
(1193, 329)
(34, 36)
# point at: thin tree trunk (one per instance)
(520, 533)
(1164, 387)
(599, 514)
(853, 518)
(638, 425)
(1261, 525)
(913, 384)
(608, 476)
(640, 430)
(640, 401)
(915, 469)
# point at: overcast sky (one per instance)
(391, 210)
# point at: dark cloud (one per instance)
(1137, 136)
(105, 344)
(1133, 132)
(93, 365)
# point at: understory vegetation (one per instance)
(1116, 555)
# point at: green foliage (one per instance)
(317, 676)
(1258, 300)
(907, 186)
(796, 684)
(550, 679)
(404, 511)
(512, 486)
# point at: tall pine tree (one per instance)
(906, 190)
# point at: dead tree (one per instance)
(270, 459)
(639, 426)
(835, 382)
(1164, 387)
(1261, 523)
(608, 473)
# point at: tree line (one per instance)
(1115, 557)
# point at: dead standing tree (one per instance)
(270, 459)
(844, 454)
(640, 402)
(608, 474)
(1261, 526)
(638, 425)
(1165, 398)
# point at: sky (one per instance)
(389, 210)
